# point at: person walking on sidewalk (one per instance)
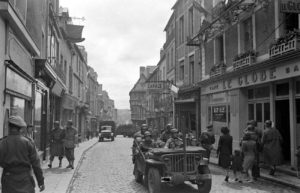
(249, 152)
(224, 151)
(272, 150)
(207, 139)
(18, 156)
(69, 143)
(56, 144)
(255, 136)
(237, 165)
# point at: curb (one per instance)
(271, 179)
(78, 166)
(265, 177)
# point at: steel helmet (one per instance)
(147, 133)
(174, 130)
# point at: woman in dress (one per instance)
(224, 151)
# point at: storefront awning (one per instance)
(74, 33)
(191, 100)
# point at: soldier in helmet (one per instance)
(138, 135)
(17, 156)
(147, 144)
(174, 141)
(167, 133)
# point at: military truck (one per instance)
(172, 166)
(107, 130)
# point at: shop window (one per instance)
(17, 107)
(282, 89)
(259, 112)
(38, 119)
(262, 92)
(250, 94)
(251, 112)
(266, 111)
(298, 111)
(228, 113)
(298, 87)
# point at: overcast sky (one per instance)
(121, 35)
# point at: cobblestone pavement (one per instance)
(107, 168)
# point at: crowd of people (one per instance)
(244, 161)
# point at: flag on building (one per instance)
(174, 89)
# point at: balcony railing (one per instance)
(217, 71)
(246, 61)
(285, 47)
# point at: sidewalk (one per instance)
(280, 177)
(57, 179)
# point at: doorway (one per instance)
(282, 123)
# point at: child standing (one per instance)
(237, 165)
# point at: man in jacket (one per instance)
(69, 143)
(56, 144)
(17, 156)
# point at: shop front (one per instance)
(266, 91)
(187, 111)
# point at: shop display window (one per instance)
(267, 112)
(282, 89)
(17, 107)
(251, 112)
(262, 92)
(259, 112)
(298, 87)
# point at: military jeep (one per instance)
(172, 166)
(106, 133)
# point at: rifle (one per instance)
(139, 149)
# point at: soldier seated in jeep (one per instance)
(147, 144)
(174, 142)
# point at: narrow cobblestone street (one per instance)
(107, 168)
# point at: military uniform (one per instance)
(70, 143)
(174, 143)
(17, 156)
(166, 135)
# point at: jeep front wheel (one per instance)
(154, 180)
(204, 185)
(137, 174)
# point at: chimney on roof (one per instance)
(142, 70)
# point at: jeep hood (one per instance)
(189, 149)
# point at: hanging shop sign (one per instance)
(290, 6)
(219, 113)
(157, 86)
(254, 78)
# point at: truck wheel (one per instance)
(154, 180)
(112, 138)
(137, 174)
(204, 186)
(100, 139)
